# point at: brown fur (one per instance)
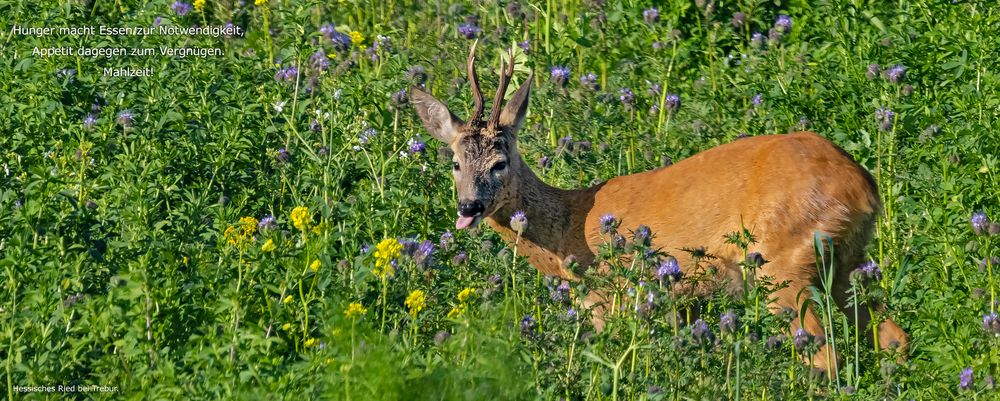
(787, 187)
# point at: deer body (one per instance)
(785, 187)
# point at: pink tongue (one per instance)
(463, 222)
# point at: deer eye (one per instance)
(454, 166)
(499, 166)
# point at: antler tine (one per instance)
(506, 72)
(477, 95)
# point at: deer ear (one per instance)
(440, 123)
(513, 113)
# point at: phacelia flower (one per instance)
(608, 223)
(870, 270)
(525, 45)
(738, 20)
(447, 240)
(980, 223)
(965, 379)
(469, 31)
(991, 323)
(528, 325)
(895, 74)
(181, 8)
(422, 256)
(125, 118)
(701, 333)
(416, 302)
(589, 81)
(783, 24)
(319, 61)
(417, 75)
(627, 97)
(755, 260)
(672, 102)
(89, 121)
(460, 259)
(757, 40)
(669, 269)
(416, 146)
(286, 74)
(519, 222)
(651, 16)
(885, 118)
(560, 75)
(282, 156)
(728, 322)
(757, 100)
(802, 340)
(873, 71)
(642, 235)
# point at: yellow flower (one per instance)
(288, 300)
(466, 294)
(268, 246)
(354, 310)
(286, 326)
(456, 311)
(314, 266)
(385, 252)
(241, 233)
(259, 3)
(248, 224)
(185, 260)
(199, 4)
(416, 301)
(301, 217)
(357, 38)
(311, 342)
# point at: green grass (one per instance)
(117, 269)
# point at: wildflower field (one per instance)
(265, 216)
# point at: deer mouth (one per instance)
(464, 222)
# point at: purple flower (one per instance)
(417, 75)
(422, 255)
(544, 162)
(873, 71)
(181, 8)
(399, 98)
(589, 81)
(783, 23)
(895, 74)
(267, 223)
(89, 121)
(158, 21)
(283, 156)
(571, 314)
(651, 16)
(627, 97)
(654, 89)
(701, 333)
(319, 61)
(757, 40)
(416, 146)
(991, 323)
(728, 322)
(755, 260)
(287, 74)
(775, 342)
(447, 240)
(125, 118)
(528, 325)
(525, 45)
(560, 75)
(757, 100)
(802, 340)
(608, 223)
(870, 270)
(367, 135)
(642, 235)
(469, 31)
(980, 223)
(460, 259)
(669, 269)
(738, 20)
(519, 222)
(672, 102)
(965, 379)
(885, 118)
(340, 41)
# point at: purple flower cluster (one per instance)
(181, 8)
(991, 323)
(125, 118)
(560, 75)
(672, 102)
(519, 222)
(651, 16)
(286, 74)
(980, 223)
(627, 97)
(608, 223)
(728, 322)
(885, 118)
(340, 41)
(701, 334)
(267, 223)
(589, 81)
(469, 31)
(965, 379)
(669, 269)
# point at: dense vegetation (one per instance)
(273, 222)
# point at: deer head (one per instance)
(486, 161)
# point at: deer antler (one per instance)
(477, 96)
(505, 75)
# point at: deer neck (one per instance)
(555, 228)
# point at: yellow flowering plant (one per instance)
(301, 218)
(355, 310)
(385, 252)
(416, 302)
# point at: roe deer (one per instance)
(786, 186)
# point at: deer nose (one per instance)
(470, 208)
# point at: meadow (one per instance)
(275, 222)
